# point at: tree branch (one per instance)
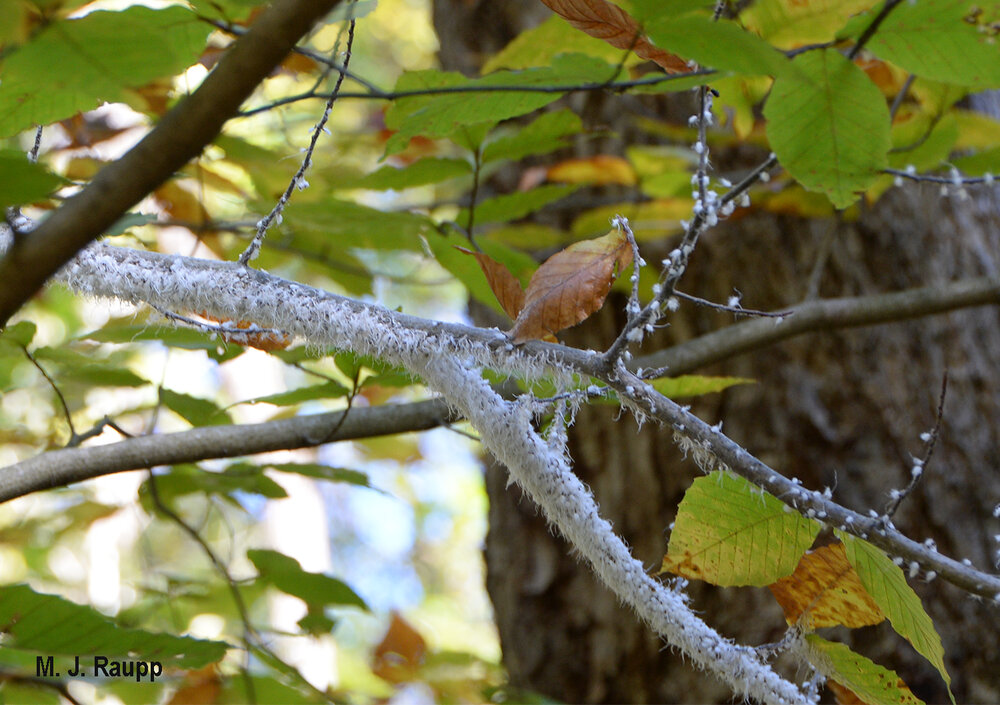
(823, 315)
(58, 468)
(226, 290)
(179, 137)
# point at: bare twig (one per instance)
(920, 466)
(299, 180)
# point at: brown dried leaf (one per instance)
(825, 591)
(266, 340)
(505, 285)
(401, 652)
(603, 20)
(570, 285)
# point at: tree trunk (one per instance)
(843, 409)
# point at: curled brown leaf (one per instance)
(602, 20)
(570, 285)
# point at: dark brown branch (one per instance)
(179, 137)
(62, 467)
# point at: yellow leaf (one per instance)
(601, 170)
(825, 591)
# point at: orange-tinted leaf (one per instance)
(570, 285)
(843, 695)
(240, 335)
(200, 687)
(825, 591)
(603, 20)
(400, 654)
(601, 170)
(180, 204)
(505, 285)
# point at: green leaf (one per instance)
(336, 224)
(511, 206)
(922, 141)
(466, 270)
(431, 170)
(323, 472)
(932, 39)
(186, 479)
(315, 589)
(197, 412)
(728, 532)
(74, 65)
(872, 683)
(540, 45)
(831, 131)
(719, 45)
(695, 385)
(54, 626)
(442, 115)
(787, 24)
(23, 183)
(20, 333)
(885, 582)
(324, 390)
(541, 136)
(130, 220)
(99, 375)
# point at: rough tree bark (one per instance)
(842, 409)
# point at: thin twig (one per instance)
(920, 466)
(897, 102)
(299, 181)
(62, 400)
(872, 28)
(738, 310)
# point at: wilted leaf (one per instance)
(600, 170)
(504, 284)
(825, 591)
(401, 652)
(603, 20)
(249, 334)
(570, 285)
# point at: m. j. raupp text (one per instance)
(100, 667)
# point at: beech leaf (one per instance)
(570, 285)
(603, 20)
(505, 285)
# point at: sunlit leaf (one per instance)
(884, 581)
(85, 61)
(196, 411)
(728, 532)
(695, 385)
(444, 114)
(51, 625)
(831, 131)
(315, 589)
(400, 654)
(570, 285)
(325, 390)
(323, 472)
(23, 183)
(539, 45)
